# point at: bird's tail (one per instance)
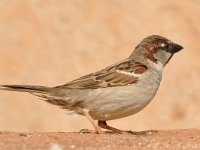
(41, 91)
(26, 88)
(48, 94)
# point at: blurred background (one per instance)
(47, 42)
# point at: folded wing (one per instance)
(121, 74)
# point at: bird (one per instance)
(115, 92)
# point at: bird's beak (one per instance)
(176, 48)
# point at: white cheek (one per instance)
(162, 58)
(168, 55)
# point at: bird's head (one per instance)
(156, 50)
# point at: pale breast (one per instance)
(117, 102)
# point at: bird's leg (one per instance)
(94, 124)
(104, 125)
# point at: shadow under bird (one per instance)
(117, 91)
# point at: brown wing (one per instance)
(109, 76)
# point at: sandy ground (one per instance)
(53, 42)
(148, 140)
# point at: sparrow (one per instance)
(117, 91)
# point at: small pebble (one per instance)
(72, 146)
(55, 147)
(139, 144)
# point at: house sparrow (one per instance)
(117, 91)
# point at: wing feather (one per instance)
(109, 76)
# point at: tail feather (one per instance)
(25, 88)
(48, 94)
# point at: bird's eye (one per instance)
(165, 45)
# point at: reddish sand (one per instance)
(148, 140)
